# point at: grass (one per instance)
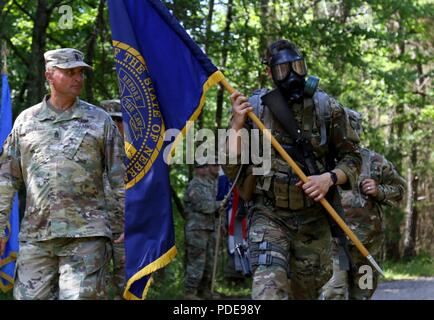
(6, 296)
(234, 289)
(420, 266)
(169, 284)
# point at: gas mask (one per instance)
(289, 70)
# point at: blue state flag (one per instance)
(163, 77)
(9, 257)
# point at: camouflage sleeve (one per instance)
(392, 186)
(11, 178)
(344, 145)
(114, 165)
(201, 198)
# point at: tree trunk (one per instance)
(37, 67)
(264, 38)
(225, 50)
(413, 179)
(90, 51)
(393, 221)
(409, 250)
(178, 203)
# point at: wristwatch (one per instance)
(334, 177)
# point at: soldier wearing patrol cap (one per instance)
(200, 231)
(117, 276)
(58, 150)
(113, 108)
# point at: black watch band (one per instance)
(334, 177)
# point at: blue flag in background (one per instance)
(163, 77)
(7, 260)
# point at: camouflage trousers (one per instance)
(365, 278)
(62, 268)
(362, 282)
(200, 247)
(116, 278)
(371, 234)
(301, 241)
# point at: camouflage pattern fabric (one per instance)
(64, 268)
(117, 275)
(305, 237)
(200, 203)
(116, 217)
(200, 248)
(200, 208)
(293, 221)
(365, 216)
(65, 58)
(342, 140)
(60, 159)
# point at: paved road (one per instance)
(418, 289)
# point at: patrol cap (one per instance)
(200, 165)
(201, 162)
(65, 58)
(113, 107)
(206, 161)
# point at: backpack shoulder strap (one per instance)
(366, 163)
(323, 110)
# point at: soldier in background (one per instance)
(58, 150)
(116, 218)
(378, 184)
(200, 231)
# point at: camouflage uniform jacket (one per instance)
(116, 216)
(60, 159)
(364, 213)
(342, 145)
(200, 203)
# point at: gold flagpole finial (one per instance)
(4, 53)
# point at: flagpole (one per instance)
(304, 179)
(222, 210)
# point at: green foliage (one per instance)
(420, 266)
(6, 296)
(168, 282)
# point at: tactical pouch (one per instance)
(280, 188)
(296, 195)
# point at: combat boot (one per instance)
(337, 287)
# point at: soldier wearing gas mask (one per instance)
(289, 231)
